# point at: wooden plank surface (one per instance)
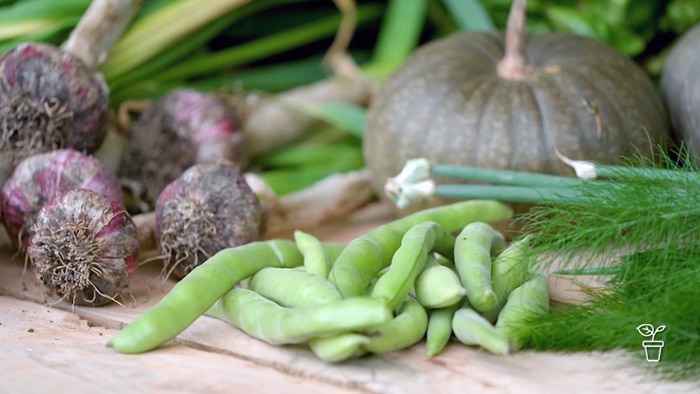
(57, 346)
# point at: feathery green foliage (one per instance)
(647, 234)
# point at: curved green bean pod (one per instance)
(438, 287)
(316, 258)
(528, 300)
(473, 329)
(339, 347)
(439, 329)
(474, 247)
(199, 290)
(405, 330)
(366, 255)
(410, 259)
(509, 270)
(266, 320)
(293, 287)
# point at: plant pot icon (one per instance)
(652, 350)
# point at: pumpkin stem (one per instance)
(515, 64)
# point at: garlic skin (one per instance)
(40, 178)
(182, 128)
(83, 248)
(208, 208)
(49, 99)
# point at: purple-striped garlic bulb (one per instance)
(40, 178)
(83, 248)
(53, 98)
(208, 208)
(49, 99)
(182, 128)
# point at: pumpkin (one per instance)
(680, 88)
(509, 101)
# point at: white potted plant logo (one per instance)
(652, 348)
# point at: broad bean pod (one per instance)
(525, 302)
(199, 290)
(266, 320)
(405, 330)
(293, 287)
(439, 329)
(509, 270)
(316, 258)
(339, 347)
(410, 259)
(471, 328)
(363, 258)
(438, 287)
(474, 246)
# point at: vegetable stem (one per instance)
(98, 29)
(525, 194)
(515, 64)
(503, 177)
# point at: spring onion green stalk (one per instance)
(414, 183)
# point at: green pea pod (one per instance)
(474, 246)
(339, 347)
(409, 260)
(473, 329)
(265, 320)
(405, 330)
(444, 261)
(363, 258)
(438, 287)
(293, 287)
(529, 300)
(439, 329)
(199, 290)
(316, 258)
(508, 271)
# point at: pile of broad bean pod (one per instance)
(384, 291)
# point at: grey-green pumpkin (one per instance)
(460, 100)
(680, 87)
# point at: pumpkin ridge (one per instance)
(536, 94)
(473, 91)
(603, 102)
(480, 128)
(649, 102)
(609, 110)
(561, 86)
(512, 142)
(423, 126)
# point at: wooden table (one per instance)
(58, 347)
